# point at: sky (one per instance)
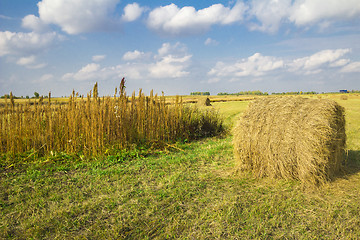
(178, 47)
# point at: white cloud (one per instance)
(94, 72)
(211, 42)
(34, 23)
(330, 58)
(172, 20)
(26, 60)
(170, 62)
(213, 80)
(132, 12)
(177, 49)
(5, 17)
(25, 43)
(30, 62)
(83, 16)
(79, 16)
(340, 63)
(37, 66)
(92, 67)
(87, 72)
(129, 56)
(255, 65)
(170, 67)
(312, 11)
(98, 58)
(132, 70)
(352, 67)
(46, 77)
(269, 13)
(258, 65)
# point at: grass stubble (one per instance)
(187, 192)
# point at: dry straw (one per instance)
(292, 138)
(94, 125)
(204, 102)
(344, 97)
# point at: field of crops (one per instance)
(181, 190)
(93, 126)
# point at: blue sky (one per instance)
(179, 46)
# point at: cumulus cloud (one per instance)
(270, 14)
(26, 60)
(170, 67)
(83, 16)
(172, 20)
(329, 58)
(132, 12)
(30, 62)
(255, 65)
(79, 16)
(259, 15)
(133, 55)
(26, 43)
(87, 72)
(258, 65)
(171, 61)
(305, 12)
(177, 49)
(34, 23)
(211, 42)
(352, 67)
(340, 63)
(98, 58)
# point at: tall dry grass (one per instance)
(94, 124)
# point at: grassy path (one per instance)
(192, 193)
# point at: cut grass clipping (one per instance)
(291, 138)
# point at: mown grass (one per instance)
(186, 191)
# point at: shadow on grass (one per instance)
(352, 165)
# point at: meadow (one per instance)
(183, 190)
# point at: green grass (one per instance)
(187, 191)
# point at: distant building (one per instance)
(344, 91)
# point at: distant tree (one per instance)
(36, 94)
(200, 93)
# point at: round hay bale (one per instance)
(344, 97)
(291, 138)
(204, 102)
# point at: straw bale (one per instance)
(291, 138)
(204, 102)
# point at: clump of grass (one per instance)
(91, 125)
(292, 138)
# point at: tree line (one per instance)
(200, 93)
